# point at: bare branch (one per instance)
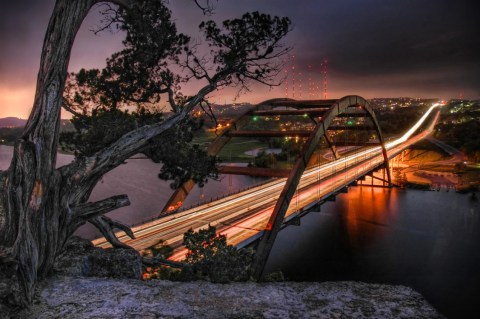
(171, 100)
(106, 226)
(66, 106)
(196, 66)
(91, 210)
(209, 113)
(110, 18)
(207, 9)
(155, 261)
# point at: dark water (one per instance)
(426, 240)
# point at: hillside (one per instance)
(12, 122)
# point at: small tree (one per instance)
(44, 205)
(264, 159)
(156, 270)
(211, 258)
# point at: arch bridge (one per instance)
(345, 125)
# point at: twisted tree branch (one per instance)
(88, 211)
(107, 226)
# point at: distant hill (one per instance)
(228, 110)
(16, 122)
(12, 122)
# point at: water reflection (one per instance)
(427, 240)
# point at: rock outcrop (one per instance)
(66, 297)
(76, 290)
(81, 259)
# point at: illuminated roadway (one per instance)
(243, 216)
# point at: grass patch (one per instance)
(234, 151)
(204, 137)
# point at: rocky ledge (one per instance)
(68, 297)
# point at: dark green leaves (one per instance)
(252, 37)
(211, 258)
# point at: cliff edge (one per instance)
(68, 297)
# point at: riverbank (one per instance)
(66, 297)
(427, 166)
(428, 179)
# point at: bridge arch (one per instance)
(321, 112)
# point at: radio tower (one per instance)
(293, 78)
(286, 77)
(323, 71)
(310, 83)
(300, 85)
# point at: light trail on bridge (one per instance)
(244, 215)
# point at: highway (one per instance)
(244, 215)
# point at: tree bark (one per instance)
(36, 213)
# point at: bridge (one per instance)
(256, 215)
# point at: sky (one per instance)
(374, 48)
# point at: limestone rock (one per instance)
(116, 263)
(65, 297)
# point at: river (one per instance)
(427, 240)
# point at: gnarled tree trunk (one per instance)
(43, 206)
(31, 187)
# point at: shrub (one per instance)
(211, 258)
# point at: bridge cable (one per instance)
(318, 170)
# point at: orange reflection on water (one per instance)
(369, 213)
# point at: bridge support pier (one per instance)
(385, 179)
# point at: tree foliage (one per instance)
(264, 159)
(182, 160)
(212, 258)
(209, 257)
(138, 76)
(246, 48)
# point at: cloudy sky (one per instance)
(375, 48)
